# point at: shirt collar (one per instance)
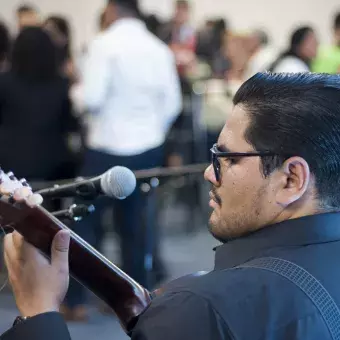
(298, 232)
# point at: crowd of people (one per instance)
(62, 115)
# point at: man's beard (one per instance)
(239, 223)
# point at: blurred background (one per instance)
(86, 86)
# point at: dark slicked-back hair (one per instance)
(297, 115)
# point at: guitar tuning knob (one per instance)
(24, 182)
(11, 176)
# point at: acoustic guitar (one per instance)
(126, 297)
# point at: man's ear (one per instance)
(294, 179)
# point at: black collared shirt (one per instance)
(251, 303)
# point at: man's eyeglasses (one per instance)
(216, 154)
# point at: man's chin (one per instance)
(213, 229)
(224, 233)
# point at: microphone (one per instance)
(118, 182)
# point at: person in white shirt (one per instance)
(303, 49)
(131, 88)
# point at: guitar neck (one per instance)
(126, 297)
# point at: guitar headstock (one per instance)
(20, 210)
(16, 199)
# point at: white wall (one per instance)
(277, 16)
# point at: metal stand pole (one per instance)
(149, 192)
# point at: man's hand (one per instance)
(39, 285)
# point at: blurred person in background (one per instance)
(5, 43)
(35, 110)
(328, 58)
(220, 91)
(59, 29)
(262, 55)
(80, 59)
(237, 54)
(131, 90)
(27, 16)
(211, 47)
(219, 61)
(302, 51)
(180, 36)
(204, 40)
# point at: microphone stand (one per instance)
(75, 212)
(171, 171)
(87, 191)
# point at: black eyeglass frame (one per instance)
(216, 154)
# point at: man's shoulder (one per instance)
(180, 315)
(231, 286)
(244, 298)
(112, 43)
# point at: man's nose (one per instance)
(209, 175)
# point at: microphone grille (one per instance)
(118, 182)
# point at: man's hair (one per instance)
(25, 8)
(34, 56)
(337, 21)
(297, 115)
(61, 24)
(126, 7)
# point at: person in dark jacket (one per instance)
(275, 200)
(35, 110)
(59, 30)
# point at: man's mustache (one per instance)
(216, 198)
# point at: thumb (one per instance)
(60, 250)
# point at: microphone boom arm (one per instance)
(85, 190)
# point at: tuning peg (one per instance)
(25, 184)
(11, 176)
